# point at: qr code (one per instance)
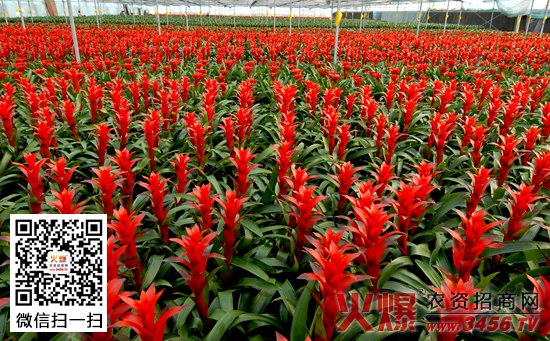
(58, 272)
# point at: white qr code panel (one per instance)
(58, 273)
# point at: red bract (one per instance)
(232, 207)
(195, 255)
(143, 320)
(287, 127)
(69, 110)
(285, 96)
(450, 312)
(244, 119)
(507, 156)
(369, 106)
(447, 97)
(157, 192)
(530, 138)
(7, 116)
(469, 97)
(542, 310)
(44, 131)
(510, 115)
(33, 178)
(367, 228)
(545, 120)
(381, 121)
(115, 309)
(521, 204)
(245, 95)
(211, 88)
(107, 184)
(468, 126)
(407, 205)
(444, 131)
(125, 227)
(304, 202)
(102, 139)
(414, 95)
(123, 117)
(228, 127)
(345, 178)
(95, 98)
(244, 167)
(332, 282)
(60, 175)
(383, 177)
(312, 95)
(197, 136)
(64, 202)
(204, 205)
(540, 175)
(284, 162)
(480, 181)
(390, 94)
(344, 135)
(330, 125)
(125, 164)
(350, 101)
(151, 129)
(467, 250)
(478, 141)
(112, 258)
(180, 168)
(392, 135)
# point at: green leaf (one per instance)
(429, 271)
(298, 331)
(248, 266)
(152, 269)
(389, 269)
(515, 246)
(452, 201)
(222, 325)
(257, 284)
(485, 282)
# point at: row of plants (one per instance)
(195, 21)
(249, 181)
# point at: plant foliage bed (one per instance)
(195, 20)
(253, 181)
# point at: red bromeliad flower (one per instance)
(244, 119)
(102, 138)
(197, 136)
(545, 120)
(64, 202)
(33, 178)
(383, 177)
(450, 313)
(393, 136)
(113, 255)
(468, 94)
(7, 115)
(123, 117)
(350, 101)
(414, 95)
(480, 181)
(151, 128)
(287, 127)
(435, 121)
(69, 110)
(60, 175)
(345, 178)
(507, 156)
(195, 255)
(204, 206)
(107, 185)
(367, 228)
(115, 309)
(369, 106)
(530, 138)
(125, 164)
(390, 94)
(447, 97)
(231, 209)
(540, 176)
(510, 115)
(478, 141)
(444, 131)
(467, 250)
(228, 127)
(330, 125)
(95, 98)
(44, 132)
(332, 282)
(180, 168)
(211, 88)
(304, 203)
(541, 327)
(468, 126)
(344, 135)
(407, 205)
(143, 320)
(521, 204)
(381, 121)
(284, 162)
(125, 227)
(244, 167)
(157, 192)
(312, 95)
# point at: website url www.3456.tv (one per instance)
(484, 324)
